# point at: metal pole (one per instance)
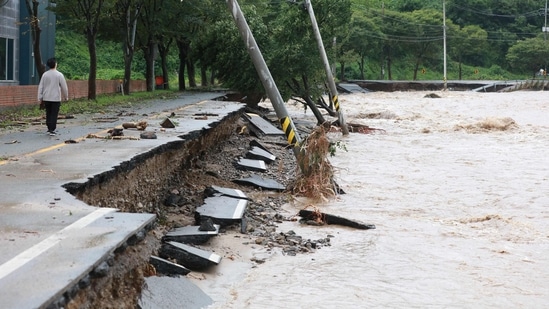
(331, 82)
(545, 29)
(444, 34)
(265, 75)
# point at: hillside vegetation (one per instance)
(365, 39)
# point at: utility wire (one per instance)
(486, 13)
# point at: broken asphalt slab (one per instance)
(220, 191)
(251, 165)
(258, 181)
(261, 126)
(191, 234)
(172, 293)
(223, 210)
(188, 256)
(258, 153)
(168, 268)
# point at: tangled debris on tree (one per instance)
(315, 177)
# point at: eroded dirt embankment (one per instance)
(140, 185)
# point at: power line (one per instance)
(490, 14)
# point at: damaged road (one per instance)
(160, 184)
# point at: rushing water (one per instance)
(460, 199)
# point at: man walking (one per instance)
(51, 91)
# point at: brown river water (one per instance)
(458, 188)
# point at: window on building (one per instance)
(7, 59)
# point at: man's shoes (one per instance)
(51, 133)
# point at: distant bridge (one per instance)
(454, 85)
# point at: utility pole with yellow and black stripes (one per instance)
(331, 82)
(266, 78)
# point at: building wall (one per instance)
(15, 96)
(9, 28)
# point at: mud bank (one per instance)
(138, 185)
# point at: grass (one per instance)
(11, 117)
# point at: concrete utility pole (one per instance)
(545, 28)
(331, 82)
(444, 34)
(265, 75)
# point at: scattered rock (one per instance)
(148, 135)
(432, 96)
(167, 124)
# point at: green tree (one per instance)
(36, 31)
(224, 53)
(468, 44)
(529, 55)
(147, 36)
(194, 18)
(505, 22)
(124, 16)
(296, 62)
(365, 39)
(426, 28)
(84, 17)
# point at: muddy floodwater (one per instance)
(458, 188)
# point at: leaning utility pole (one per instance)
(331, 82)
(265, 75)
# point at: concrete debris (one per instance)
(116, 132)
(207, 225)
(255, 143)
(172, 293)
(260, 154)
(168, 268)
(148, 135)
(261, 126)
(191, 234)
(222, 210)
(219, 191)
(252, 165)
(167, 124)
(261, 182)
(351, 88)
(188, 256)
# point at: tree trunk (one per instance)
(191, 73)
(165, 75)
(35, 32)
(362, 64)
(312, 105)
(204, 82)
(382, 68)
(342, 70)
(129, 46)
(212, 78)
(460, 76)
(183, 47)
(164, 50)
(389, 71)
(314, 108)
(416, 68)
(90, 35)
(149, 54)
(128, 59)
